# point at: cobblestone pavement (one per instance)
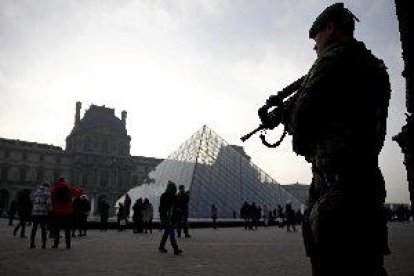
(226, 251)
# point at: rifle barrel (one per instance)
(291, 88)
(248, 135)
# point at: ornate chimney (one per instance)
(124, 116)
(77, 114)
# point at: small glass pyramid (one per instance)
(215, 173)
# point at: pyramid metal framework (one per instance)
(215, 173)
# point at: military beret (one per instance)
(336, 13)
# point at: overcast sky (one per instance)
(176, 65)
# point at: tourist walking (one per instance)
(12, 211)
(76, 220)
(42, 206)
(85, 209)
(166, 210)
(183, 198)
(290, 217)
(24, 211)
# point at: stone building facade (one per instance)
(97, 158)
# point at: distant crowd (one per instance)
(61, 206)
(254, 216)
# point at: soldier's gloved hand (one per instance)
(274, 100)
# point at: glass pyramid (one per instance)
(215, 173)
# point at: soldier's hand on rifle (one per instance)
(274, 100)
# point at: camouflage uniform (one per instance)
(338, 123)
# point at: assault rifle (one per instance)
(271, 118)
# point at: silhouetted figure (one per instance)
(254, 212)
(62, 193)
(166, 209)
(103, 210)
(245, 215)
(271, 218)
(85, 209)
(76, 216)
(42, 206)
(280, 218)
(24, 210)
(127, 205)
(265, 215)
(214, 215)
(138, 216)
(12, 211)
(122, 216)
(148, 214)
(299, 217)
(337, 120)
(290, 217)
(182, 200)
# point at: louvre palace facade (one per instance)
(97, 158)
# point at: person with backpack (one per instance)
(62, 193)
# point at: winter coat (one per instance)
(24, 206)
(62, 204)
(148, 212)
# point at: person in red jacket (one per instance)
(62, 208)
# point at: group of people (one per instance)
(143, 213)
(253, 214)
(53, 207)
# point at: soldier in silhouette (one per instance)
(337, 120)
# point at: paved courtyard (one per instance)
(226, 251)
